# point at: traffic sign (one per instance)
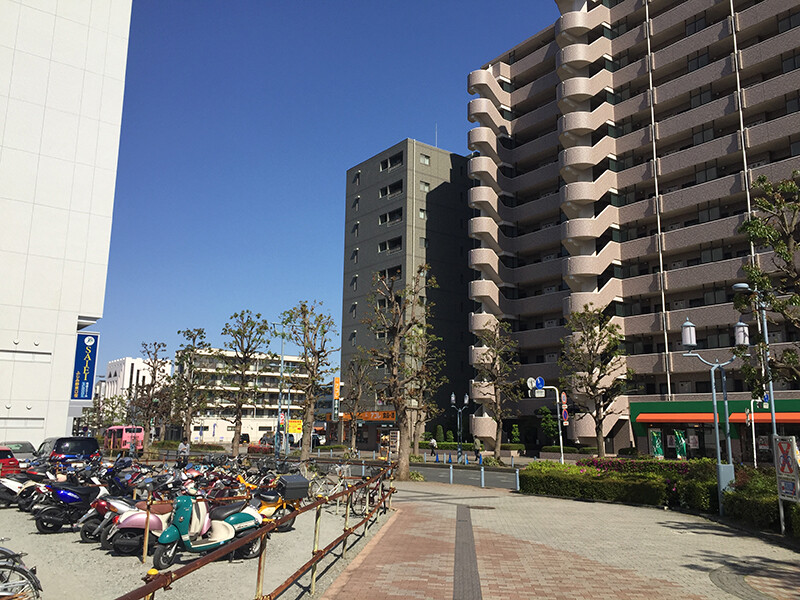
(766, 401)
(538, 393)
(785, 458)
(531, 383)
(747, 417)
(539, 383)
(563, 397)
(282, 418)
(565, 416)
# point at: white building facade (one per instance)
(62, 76)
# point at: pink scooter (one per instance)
(127, 534)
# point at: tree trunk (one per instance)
(498, 437)
(187, 424)
(403, 459)
(598, 430)
(353, 428)
(237, 432)
(146, 440)
(308, 428)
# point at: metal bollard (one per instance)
(517, 479)
(373, 455)
(331, 452)
(362, 468)
(451, 473)
(512, 461)
(425, 457)
(318, 452)
(482, 477)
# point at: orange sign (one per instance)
(376, 415)
(336, 388)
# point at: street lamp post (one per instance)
(761, 303)
(280, 441)
(459, 409)
(725, 474)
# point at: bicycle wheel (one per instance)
(318, 487)
(18, 582)
(358, 503)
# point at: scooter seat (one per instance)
(86, 492)
(268, 496)
(157, 509)
(21, 477)
(222, 512)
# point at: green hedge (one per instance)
(759, 511)
(609, 487)
(567, 449)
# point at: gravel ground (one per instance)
(70, 569)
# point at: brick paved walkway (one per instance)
(541, 548)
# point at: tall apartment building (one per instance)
(617, 148)
(62, 76)
(406, 207)
(126, 374)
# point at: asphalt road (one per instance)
(506, 479)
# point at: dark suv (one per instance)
(68, 448)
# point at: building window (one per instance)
(697, 60)
(424, 159)
(788, 22)
(357, 178)
(353, 310)
(423, 242)
(353, 338)
(792, 102)
(424, 186)
(392, 162)
(355, 229)
(391, 217)
(356, 203)
(354, 256)
(706, 173)
(390, 273)
(696, 25)
(791, 62)
(392, 245)
(354, 283)
(423, 213)
(391, 190)
(702, 135)
(700, 96)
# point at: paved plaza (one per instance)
(446, 542)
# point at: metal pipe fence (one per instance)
(378, 496)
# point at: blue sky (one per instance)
(239, 122)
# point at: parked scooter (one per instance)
(196, 529)
(274, 503)
(70, 502)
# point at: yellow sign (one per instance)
(336, 383)
(295, 426)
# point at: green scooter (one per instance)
(196, 529)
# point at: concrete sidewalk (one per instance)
(459, 542)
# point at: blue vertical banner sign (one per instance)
(85, 361)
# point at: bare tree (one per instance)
(497, 367)
(396, 313)
(357, 385)
(310, 329)
(424, 369)
(189, 384)
(593, 367)
(147, 402)
(247, 335)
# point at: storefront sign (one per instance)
(377, 415)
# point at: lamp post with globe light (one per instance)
(725, 474)
(459, 409)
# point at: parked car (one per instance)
(59, 449)
(244, 438)
(8, 464)
(21, 450)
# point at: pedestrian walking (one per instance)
(477, 447)
(434, 446)
(183, 452)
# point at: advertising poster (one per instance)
(680, 444)
(85, 362)
(656, 446)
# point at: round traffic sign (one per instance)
(563, 397)
(539, 383)
(531, 382)
(565, 415)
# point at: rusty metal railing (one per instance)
(374, 487)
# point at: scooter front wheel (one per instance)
(87, 530)
(250, 550)
(281, 512)
(164, 556)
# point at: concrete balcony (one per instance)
(480, 391)
(482, 322)
(483, 111)
(485, 199)
(536, 273)
(693, 277)
(487, 262)
(578, 55)
(483, 427)
(575, 230)
(487, 293)
(478, 355)
(483, 82)
(583, 266)
(602, 298)
(484, 169)
(485, 229)
(483, 140)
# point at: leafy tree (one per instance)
(150, 400)
(515, 434)
(357, 386)
(309, 329)
(548, 422)
(395, 317)
(592, 367)
(247, 336)
(105, 412)
(189, 388)
(449, 436)
(497, 367)
(776, 224)
(439, 433)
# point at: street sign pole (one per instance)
(560, 436)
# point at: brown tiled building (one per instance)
(617, 148)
